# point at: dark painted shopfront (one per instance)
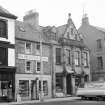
(7, 83)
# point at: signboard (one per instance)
(32, 57)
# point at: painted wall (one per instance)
(11, 30)
(11, 57)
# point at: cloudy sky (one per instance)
(55, 12)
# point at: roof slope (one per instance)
(6, 13)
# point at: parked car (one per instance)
(92, 90)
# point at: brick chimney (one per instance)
(32, 18)
(85, 20)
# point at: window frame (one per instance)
(37, 71)
(6, 29)
(5, 52)
(45, 89)
(21, 88)
(31, 66)
(99, 43)
(100, 64)
(77, 59)
(30, 52)
(85, 58)
(68, 56)
(58, 56)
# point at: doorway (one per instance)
(69, 84)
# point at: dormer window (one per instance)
(3, 29)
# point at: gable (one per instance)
(71, 32)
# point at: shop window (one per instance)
(28, 66)
(58, 56)
(45, 88)
(24, 88)
(59, 83)
(38, 66)
(76, 58)
(3, 29)
(28, 48)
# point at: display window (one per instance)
(24, 88)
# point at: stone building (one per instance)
(7, 55)
(94, 38)
(69, 58)
(30, 62)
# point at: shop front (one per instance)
(7, 83)
(28, 87)
(64, 85)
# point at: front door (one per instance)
(69, 84)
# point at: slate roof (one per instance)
(100, 29)
(28, 32)
(5, 13)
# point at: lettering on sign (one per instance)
(32, 57)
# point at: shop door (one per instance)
(34, 90)
(68, 83)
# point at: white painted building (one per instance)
(7, 55)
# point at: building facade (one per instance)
(94, 38)
(32, 60)
(7, 55)
(69, 59)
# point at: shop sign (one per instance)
(32, 57)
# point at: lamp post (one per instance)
(41, 68)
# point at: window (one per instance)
(28, 48)
(3, 29)
(85, 59)
(38, 66)
(68, 57)
(24, 88)
(71, 31)
(59, 83)
(100, 62)
(28, 66)
(45, 88)
(76, 58)
(3, 56)
(58, 55)
(99, 45)
(38, 46)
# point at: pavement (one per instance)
(38, 101)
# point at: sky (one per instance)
(55, 12)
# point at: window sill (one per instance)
(28, 72)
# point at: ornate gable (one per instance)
(71, 31)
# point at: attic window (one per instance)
(21, 29)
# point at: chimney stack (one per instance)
(85, 20)
(32, 17)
